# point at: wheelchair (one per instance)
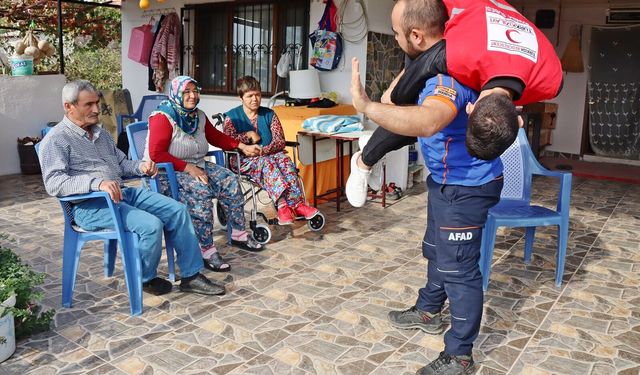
(250, 190)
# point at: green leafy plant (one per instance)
(100, 66)
(91, 37)
(19, 279)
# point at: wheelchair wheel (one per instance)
(262, 234)
(316, 223)
(222, 216)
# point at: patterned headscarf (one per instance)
(185, 119)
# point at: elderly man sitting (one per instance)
(78, 157)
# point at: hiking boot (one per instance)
(356, 188)
(415, 318)
(447, 364)
(307, 212)
(285, 216)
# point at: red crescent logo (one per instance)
(508, 34)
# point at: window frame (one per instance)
(277, 47)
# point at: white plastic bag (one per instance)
(284, 64)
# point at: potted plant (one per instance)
(20, 314)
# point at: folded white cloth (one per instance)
(333, 124)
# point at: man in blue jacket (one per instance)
(461, 190)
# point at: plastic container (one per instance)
(21, 66)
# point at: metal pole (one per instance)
(106, 4)
(60, 44)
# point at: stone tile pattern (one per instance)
(384, 62)
(316, 303)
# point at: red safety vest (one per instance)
(489, 38)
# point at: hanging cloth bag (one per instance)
(140, 44)
(326, 42)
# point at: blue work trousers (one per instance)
(146, 213)
(456, 215)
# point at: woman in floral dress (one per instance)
(252, 124)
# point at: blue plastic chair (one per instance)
(137, 136)
(44, 131)
(515, 209)
(147, 105)
(75, 237)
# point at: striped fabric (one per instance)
(333, 124)
(167, 43)
(73, 164)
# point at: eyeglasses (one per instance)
(189, 92)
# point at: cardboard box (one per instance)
(545, 137)
(540, 107)
(548, 121)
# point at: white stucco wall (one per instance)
(379, 12)
(27, 104)
(134, 75)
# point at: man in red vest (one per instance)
(507, 46)
(497, 50)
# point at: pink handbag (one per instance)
(140, 44)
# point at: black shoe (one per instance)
(447, 364)
(157, 286)
(416, 318)
(215, 263)
(201, 285)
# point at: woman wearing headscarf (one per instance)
(272, 169)
(180, 133)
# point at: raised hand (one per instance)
(358, 95)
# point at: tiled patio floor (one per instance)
(316, 303)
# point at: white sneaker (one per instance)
(375, 178)
(356, 188)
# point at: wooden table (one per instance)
(340, 139)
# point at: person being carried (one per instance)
(180, 133)
(506, 55)
(461, 190)
(272, 169)
(79, 157)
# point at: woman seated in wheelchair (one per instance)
(180, 133)
(273, 170)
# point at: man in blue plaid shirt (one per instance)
(79, 157)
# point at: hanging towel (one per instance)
(333, 124)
